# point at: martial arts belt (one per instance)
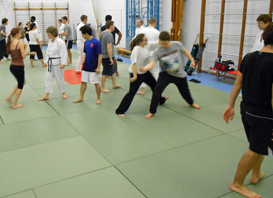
(49, 63)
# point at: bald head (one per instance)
(139, 23)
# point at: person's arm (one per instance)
(3, 33)
(134, 68)
(189, 56)
(119, 38)
(99, 64)
(229, 112)
(109, 50)
(148, 67)
(64, 34)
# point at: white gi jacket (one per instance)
(258, 45)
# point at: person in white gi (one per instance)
(263, 21)
(152, 35)
(61, 28)
(80, 43)
(139, 28)
(56, 59)
(33, 20)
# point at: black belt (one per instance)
(49, 63)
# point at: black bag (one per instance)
(225, 65)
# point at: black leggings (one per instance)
(163, 81)
(19, 74)
(128, 98)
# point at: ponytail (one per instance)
(136, 41)
(13, 32)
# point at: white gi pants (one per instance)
(80, 46)
(155, 72)
(58, 74)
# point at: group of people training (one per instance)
(255, 78)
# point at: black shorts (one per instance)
(19, 74)
(108, 70)
(68, 44)
(36, 48)
(258, 123)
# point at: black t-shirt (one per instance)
(116, 31)
(257, 70)
(27, 36)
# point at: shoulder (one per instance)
(60, 41)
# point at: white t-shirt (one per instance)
(141, 56)
(33, 35)
(151, 33)
(61, 29)
(258, 45)
(80, 39)
(39, 32)
(139, 29)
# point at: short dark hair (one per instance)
(64, 17)
(86, 29)
(52, 30)
(152, 21)
(164, 36)
(108, 24)
(32, 25)
(4, 20)
(60, 20)
(83, 17)
(33, 18)
(108, 18)
(264, 18)
(268, 35)
(20, 23)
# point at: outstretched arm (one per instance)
(189, 56)
(148, 67)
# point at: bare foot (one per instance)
(44, 65)
(98, 102)
(149, 116)
(105, 91)
(8, 59)
(44, 98)
(2, 61)
(8, 99)
(79, 100)
(116, 86)
(122, 115)
(196, 106)
(32, 66)
(141, 92)
(255, 179)
(243, 190)
(117, 74)
(64, 96)
(17, 106)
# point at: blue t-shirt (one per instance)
(92, 49)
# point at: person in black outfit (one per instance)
(255, 78)
(27, 30)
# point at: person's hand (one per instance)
(40, 46)
(62, 66)
(98, 71)
(228, 114)
(133, 79)
(192, 64)
(142, 69)
(111, 61)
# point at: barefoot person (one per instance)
(255, 79)
(68, 38)
(35, 45)
(92, 58)
(140, 57)
(18, 51)
(107, 47)
(169, 55)
(56, 59)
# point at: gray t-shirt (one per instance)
(3, 28)
(68, 28)
(106, 38)
(170, 60)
